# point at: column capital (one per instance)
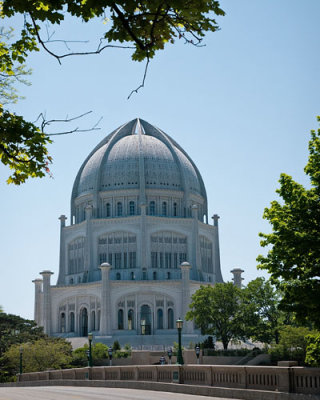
(63, 219)
(105, 266)
(46, 272)
(185, 265)
(37, 281)
(215, 218)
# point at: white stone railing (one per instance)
(282, 379)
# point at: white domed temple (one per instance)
(138, 244)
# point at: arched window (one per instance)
(130, 320)
(144, 274)
(62, 322)
(120, 319)
(132, 275)
(160, 318)
(175, 209)
(132, 209)
(164, 208)
(71, 281)
(154, 275)
(119, 209)
(108, 210)
(170, 318)
(152, 208)
(71, 322)
(168, 275)
(118, 276)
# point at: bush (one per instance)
(208, 343)
(116, 345)
(313, 350)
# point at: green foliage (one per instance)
(292, 345)
(221, 311)
(147, 26)
(175, 348)
(116, 345)
(264, 299)
(144, 27)
(17, 330)
(23, 148)
(208, 343)
(294, 257)
(313, 350)
(41, 355)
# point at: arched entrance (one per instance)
(145, 320)
(84, 322)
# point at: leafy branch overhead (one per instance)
(143, 26)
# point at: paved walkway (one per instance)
(91, 393)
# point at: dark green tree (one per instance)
(17, 330)
(220, 310)
(293, 260)
(264, 299)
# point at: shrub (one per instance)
(292, 345)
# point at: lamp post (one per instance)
(170, 354)
(198, 354)
(110, 356)
(90, 337)
(20, 359)
(179, 325)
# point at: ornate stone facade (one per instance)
(138, 245)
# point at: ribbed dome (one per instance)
(138, 156)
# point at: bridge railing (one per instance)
(282, 379)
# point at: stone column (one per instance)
(196, 257)
(88, 254)
(185, 298)
(37, 300)
(62, 258)
(46, 275)
(237, 279)
(105, 324)
(216, 251)
(143, 238)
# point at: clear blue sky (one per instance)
(242, 107)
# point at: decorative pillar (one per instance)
(37, 300)
(185, 298)
(217, 277)
(88, 245)
(196, 257)
(62, 258)
(143, 238)
(237, 279)
(105, 325)
(46, 275)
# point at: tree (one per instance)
(294, 257)
(220, 311)
(17, 330)
(260, 294)
(41, 355)
(145, 27)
